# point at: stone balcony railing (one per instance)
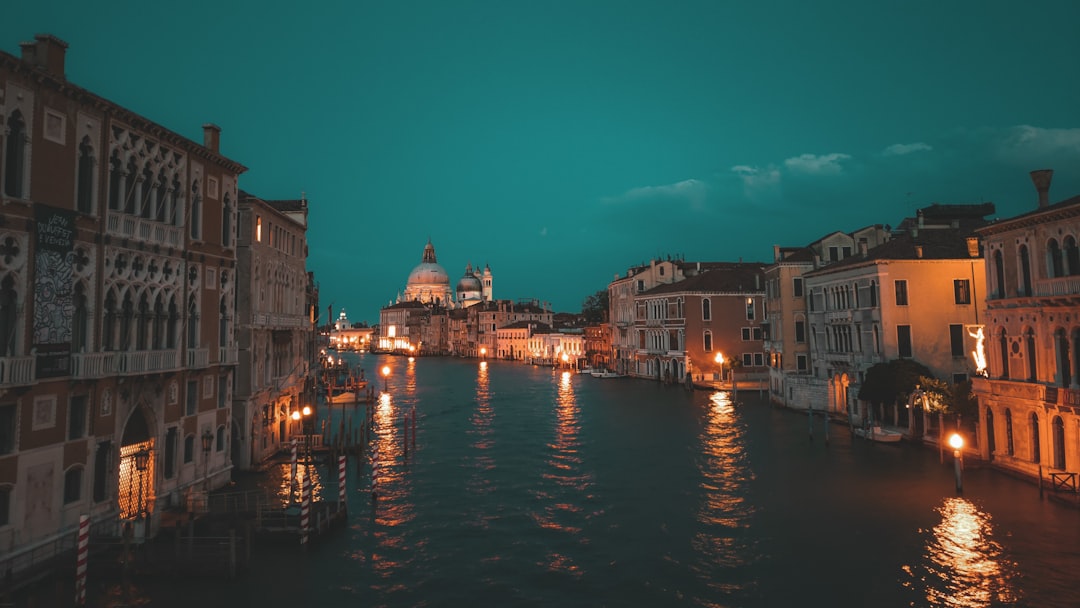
(838, 316)
(228, 355)
(142, 229)
(198, 358)
(16, 370)
(144, 361)
(261, 319)
(93, 365)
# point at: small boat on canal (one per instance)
(879, 434)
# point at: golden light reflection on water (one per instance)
(723, 510)
(562, 512)
(482, 418)
(288, 489)
(390, 478)
(965, 567)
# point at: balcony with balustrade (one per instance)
(87, 366)
(15, 371)
(147, 361)
(198, 358)
(228, 355)
(137, 228)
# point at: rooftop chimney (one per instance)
(918, 251)
(1041, 178)
(212, 137)
(776, 253)
(919, 214)
(47, 52)
(863, 248)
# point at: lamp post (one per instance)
(207, 439)
(386, 376)
(566, 359)
(720, 362)
(483, 352)
(142, 462)
(957, 444)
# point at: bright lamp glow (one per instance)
(956, 441)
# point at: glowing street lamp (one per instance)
(483, 351)
(386, 376)
(565, 359)
(957, 444)
(720, 362)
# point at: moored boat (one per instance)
(879, 434)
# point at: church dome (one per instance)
(468, 283)
(428, 282)
(428, 273)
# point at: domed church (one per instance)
(428, 282)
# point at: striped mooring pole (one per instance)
(80, 560)
(341, 479)
(305, 510)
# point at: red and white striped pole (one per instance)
(341, 480)
(80, 560)
(305, 510)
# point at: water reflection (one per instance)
(563, 498)
(394, 508)
(964, 566)
(481, 431)
(721, 545)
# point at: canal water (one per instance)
(528, 486)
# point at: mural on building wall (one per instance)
(53, 297)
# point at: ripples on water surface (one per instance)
(531, 487)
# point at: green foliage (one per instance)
(595, 307)
(892, 381)
(950, 398)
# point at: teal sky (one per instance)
(562, 142)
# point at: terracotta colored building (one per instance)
(1029, 400)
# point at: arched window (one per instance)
(127, 317)
(1061, 350)
(223, 325)
(1025, 271)
(855, 290)
(1008, 432)
(116, 181)
(84, 189)
(161, 213)
(1059, 442)
(226, 221)
(1054, 267)
(991, 441)
(1003, 344)
(143, 324)
(170, 326)
(108, 327)
(1072, 256)
(8, 316)
(193, 324)
(706, 309)
(160, 321)
(1029, 342)
(73, 480)
(873, 294)
(196, 211)
(79, 320)
(1036, 449)
(877, 339)
(999, 274)
(131, 197)
(149, 190)
(175, 215)
(15, 156)
(707, 341)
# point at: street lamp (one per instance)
(957, 444)
(142, 462)
(483, 352)
(386, 376)
(565, 359)
(720, 362)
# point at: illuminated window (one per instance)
(258, 228)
